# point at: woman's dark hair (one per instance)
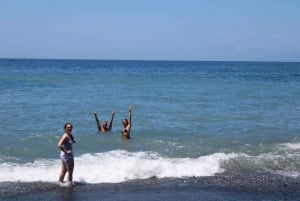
(68, 123)
(71, 136)
(125, 120)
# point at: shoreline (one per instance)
(219, 187)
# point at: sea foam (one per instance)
(291, 146)
(116, 166)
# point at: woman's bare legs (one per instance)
(67, 166)
(70, 168)
(62, 172)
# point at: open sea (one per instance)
(200, 130)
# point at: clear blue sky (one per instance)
(235, 30)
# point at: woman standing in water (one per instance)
(66, 154)
(126, 125)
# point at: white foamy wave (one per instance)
(282, 163)
(291, 146)
(117, 166)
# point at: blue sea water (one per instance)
(190, 120)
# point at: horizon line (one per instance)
(162, 60)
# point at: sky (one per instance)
(202, 30)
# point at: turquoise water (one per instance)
(190, 119)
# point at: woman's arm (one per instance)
(98, 122)
(111, 120)
(61, 143)
(129, 116)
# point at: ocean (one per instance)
(201, 130)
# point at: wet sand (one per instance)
(220, 187)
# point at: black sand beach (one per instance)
(220, 187)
